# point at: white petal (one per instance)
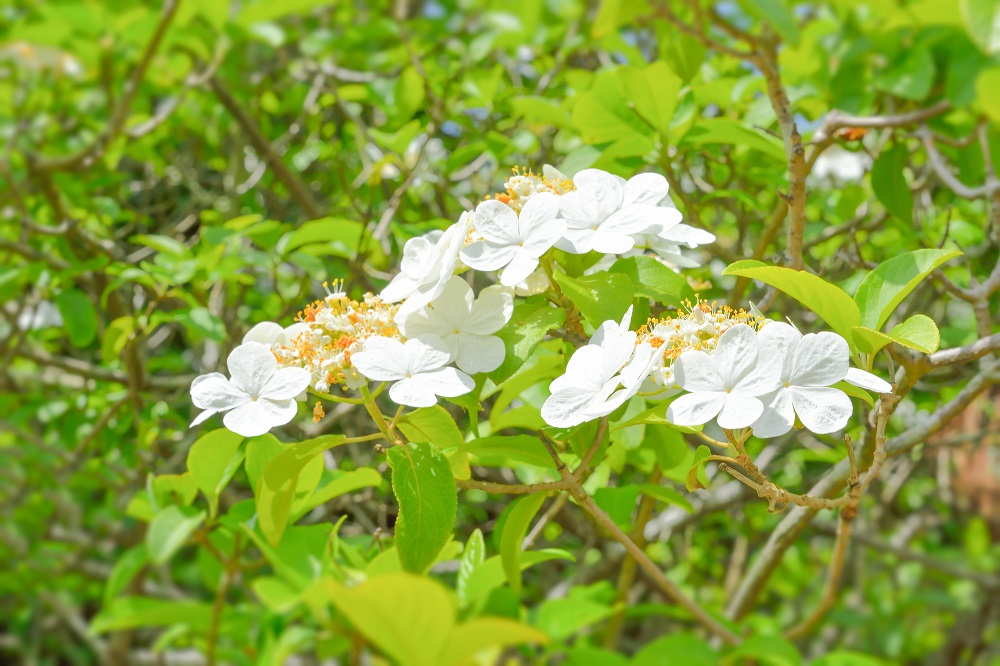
(637, 219)
(286, 383)
(250, 366)
(552, 173)
(646, 188)
(540, 211)
(599, 194)
(580, 371)
(295, 330)
(538, 241)
(684, 234)
(382, 359)
(736, 354)
(821, 359)
(521, 265)
(695, 408)
(266, 333)
(739, 411)
(399, 288)
(479, 353)
(425, 353)
(412, 392)
(696, 371)
(496, 222)
(447, 382)
(490, 312)
(822, 410)
(488, 256)
(785, 339)
(217, 393)
(612, 242)
(417, 254)
(425, 321)
(764, 377)
(778, 416)
(256, 418)
(455, 302)
(567, 407)
(867, 380)
(204, 416)
(577, 241)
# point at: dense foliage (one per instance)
(662, 433)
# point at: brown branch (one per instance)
(833, 577)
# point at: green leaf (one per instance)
(348, 482)
(431, 424)
(205, 323)
(890, 282)
(473, 555)
(988, 92)
(918, 332)
(890, 184)
(676, 649)
(409, 95)
(868, 341)
(278, 482)
(79, 316)
(126, 568)
(653, 91)
(499, 450)
(116, 336)
(910, 76)
(170, 530)
(828, 301)
(599, 297)
(523, 333)
(341, 236)
(603, 115)
(561, 618)
(490, 574)
(855, 392)
(651, 279)
(471, 638)
(667, 495)
(730, 132)
(982, 21)
(618, 503)
(684, 53)
(696, 476)
(212, 461)
(513, 525)
(133, 612)
(428, 500)
(778, 14)
(768, 651)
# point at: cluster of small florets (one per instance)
(525, 183)
(336, 327)
(696, 327)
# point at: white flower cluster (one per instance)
(428, 332)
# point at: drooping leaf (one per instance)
(696, 476)
(513, 526)
(890, 282)
(431, 424)
(79, 316)
(890, 184)
(428, 499)
(652, 90)
(212, 461)
(170, 530)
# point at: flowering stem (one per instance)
(377, 416)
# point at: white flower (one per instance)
(726, 384)
(513, 241)
(811, 365)
(841, 165)
(465, 324)
(273, 335)
(592, 376)
(428, 263)
(605, 212)
(536, 283)
(257, 398)
(417, 368)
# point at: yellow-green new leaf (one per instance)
(514, 525)
(918, 332)
(890, 282)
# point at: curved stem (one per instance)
(833, 576)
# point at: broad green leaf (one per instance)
(341, 235)
(490, 574)
(170, 530)
(855, 392)
(604, 115)
(134, 612)
(126, 568)
(428, 499)
(278, 482)
(513, 525)
(982, 21)
(202, 321)
(890, 282)
(599, 297)
(651, 279)
(848, 658)
(409, 95)
(431, 424)
(561, 618)
(828, 301)
(523, 333)
(910, 76)
(499, 450)
(696, 476)
(212, 461)
(767, 651)
(618, 503)
(729, 132)
(473, 555)
(666, 494)
(778, 14)
(676, 649)
(78, 315)
(407, 618)
(116, 336)
(890, 184)
(918, 332)
(988, 92)
(348, 482)
(468, 639)
(684, 53)
(653, 91)
(868, 341)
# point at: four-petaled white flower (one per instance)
(592, 376)
(258, 397)
(429, 261)
(605, 212)
(417, 368)
(513, 241)
(811, 365)
(728, 384)
(465, 324)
